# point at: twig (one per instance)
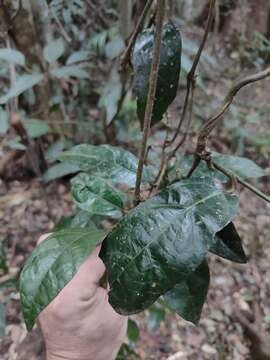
(201, 153)
(191, 77)
(241, 181)
(212, 122)
(189, 97)
(124, 88)
(181, 142)
(125, 58)
(61, 27)
(151, 96)
(170, 9)
(8, 277)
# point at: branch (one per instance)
(191, 77)
(189, 97)
(61, 27)
(125, 58)
(185, 135)
(212, 122)
(241, 181)
(201, 153)
(151, 96)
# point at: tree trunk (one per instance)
(24, 34)
(238, 17)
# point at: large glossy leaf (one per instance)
(97, 196)
(169, 70)
(188, 296)
(163, 240)
(228, 245)
(106, 161)
(23, 83)
(51, 266)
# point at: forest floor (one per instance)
(28, 209)
(239, 294)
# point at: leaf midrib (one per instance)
(61, 247)
(162, 232)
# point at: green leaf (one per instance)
(106, 161)
(54, 50)
(16, 144)
(157, 315)
(126, 352)
(242, 167)
(59, 170)
(188, 296)
(228, 245)
(114, 47)
(51, 266)
(3, 259)
(163, 240)
(3, 121)
(169, 71)
(133, 332)
(36, 128)
(2, 320)
(186, 64)
(110, 95)
(80, 220)
(23, 83)
(12, 56)
(97, 196)
(55, 149)
(70, 71)
(78, 56)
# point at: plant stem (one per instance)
(213, 121)
(189, 98)
(185, 135)
(201, 153)
(191, 77)
(125, 58)
(242, 182)
(151, 96)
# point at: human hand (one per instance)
(80, 324)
